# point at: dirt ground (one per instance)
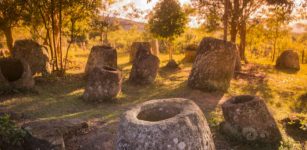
(60, 98)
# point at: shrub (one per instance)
(10, 135)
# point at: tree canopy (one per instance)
(168, 19)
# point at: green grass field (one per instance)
(61, 98)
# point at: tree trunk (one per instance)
(72, 37)
(170, 47)
(60, 38)
(226, 20)
(243, 41)
(303, 57)
(9, 38)
(234, 22)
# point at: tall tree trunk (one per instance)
(54, 43)
(170, 47)
(9, 38)
(303, 57)
(72, 37)
(226, 19)
(60, 40)
(243, 41)
(234, 21)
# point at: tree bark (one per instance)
(303, 57)
(226, 19)
(9, 38)
(234, 21)
(243, 41)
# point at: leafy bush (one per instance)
(10, 134)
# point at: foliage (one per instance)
(10, 14)
(10, 134)
(50, 15)
(168, 19)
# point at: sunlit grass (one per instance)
(61, 98)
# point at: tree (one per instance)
(51, 14)
(167, 21)
(277, 20)
(77, 21)
(10, 13)
(236, 13)
(106, 21)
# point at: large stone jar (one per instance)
(145, 67)
(248, 119)
(172, 124)
(103, 84)
(15, 73)
(214, 65)
(101, 56)
(137, 46)
(35, 54)
(288, 60)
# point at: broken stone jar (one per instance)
(101, 56)
(173, 124)
(247, 118)
(103, 84)
(15, 73)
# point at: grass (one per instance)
(60, 98)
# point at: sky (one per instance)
(144, 6)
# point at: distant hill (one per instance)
(127, 24)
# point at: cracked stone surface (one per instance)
(214, 65)
(164, 124)
(248, 119)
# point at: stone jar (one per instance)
(214, 65)
(137, 46)
(36, 55)
(15, 73)
(145, 68)
(247, 118)
(103, 84)
(101, 56)
(172, 124)
(288, 60)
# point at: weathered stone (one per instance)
(101, 56)
(190, 53)
(288, 60)
(145, 67)
(96, 139)
(103, 84)
(172, 64)
(248, 119)
(35, 54)
(47, 135)
(139, 46)
(214, 65)
(15, 73)
(171, 124)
